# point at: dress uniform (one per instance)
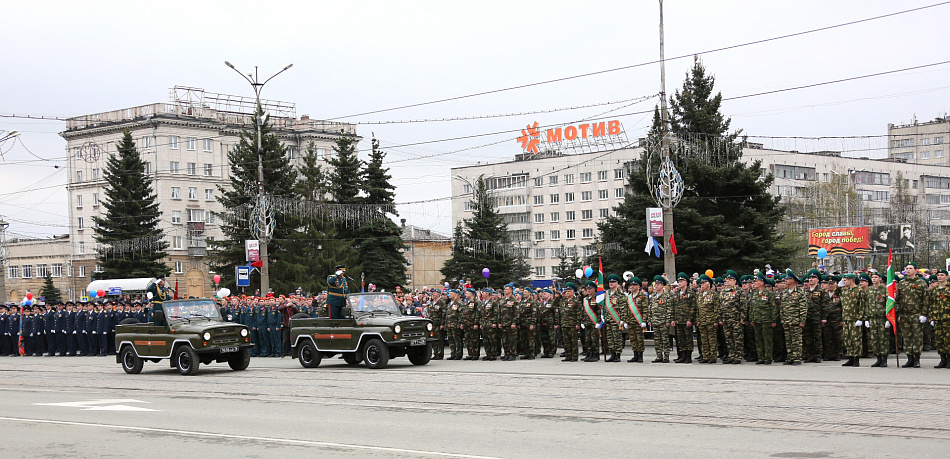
(437, 316)
(637, 302)
(337, 288)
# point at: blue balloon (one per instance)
(588, 272)
(822, 253)
(92, 294)
(28, 303)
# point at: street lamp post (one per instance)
(264, 228)
(3, 260)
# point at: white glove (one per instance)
(887, 324)
(858, 323)
(582, 326)
(338, 272)
(923, 319)
(841, 283)
(932, 323)
(643, 325)
(625, 326)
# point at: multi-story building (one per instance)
(185, 145)
(427, 251)
(924, 143)
(29, 261)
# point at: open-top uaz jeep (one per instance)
(372, 330)
(193, 333)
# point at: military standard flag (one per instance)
(891, 293)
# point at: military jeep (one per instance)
(188, 332)
(372, 330)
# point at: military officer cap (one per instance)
(849, 276)
(789, 274)
(719, 280)
(571, 286)
(745, 278)
(547, 290)
(590, 284)
(834, 278)
(339, 267)
(660, 279)
(471, 290)
(866, 277)
(704, 278)
(770, 281)
(732, 274)
(813, 273)
(943, 271)
(761, 277)
(614, 278)
(635, 280)
(486, 290)
(912, 264)
(160, 277)
(682, 276)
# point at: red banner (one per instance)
(840, 241)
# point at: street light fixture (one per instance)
(262, 210)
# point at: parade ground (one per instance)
(87, 407)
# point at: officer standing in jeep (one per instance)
(160, 294)
(336, 292)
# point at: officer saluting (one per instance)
(160, 293)
(336, 292)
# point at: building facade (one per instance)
(923, 143)
(28, 261)
(185, 145)
(427, 251)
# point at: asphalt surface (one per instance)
(88, 407)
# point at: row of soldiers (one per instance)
(64, 329)
(266, 319)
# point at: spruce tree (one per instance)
(239, 199)
(50, 292)
(344, 174)
(379, 242)
(130, 223)
(726, 219)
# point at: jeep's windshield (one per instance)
(192, 310)
(373, 302)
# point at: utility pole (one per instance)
(669, 260)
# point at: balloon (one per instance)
(29, 295)
(92, 293)
(149, 295)
(217, 278)
(588, 272)
(224, 292)
(28, 303)
(627, 275)
(579, 273)
(709, 273)
(485, 272)
(101, 292)
(822, 253)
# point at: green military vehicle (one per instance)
(373, 329)
(188, 332)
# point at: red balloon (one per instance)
(217, 278)
(100, 293)
(29, 295)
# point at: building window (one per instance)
(604, 213)
(601, 176)
(173, 167)
(173, 142)
(209, 217)
(13, 272)
(585, 177)
(79, 201)
(79, 223)
(196, 215)
(42, 271)
(619, 173)
(602, 194)
(191, 168)
(56, 270)
(539, 200)
(539, 235)
(209, 170)
(938, 153)
(554, 217)
(81, 248)
(539, 270)
(571, 234)
(925, 155)
(618, 192)
(321, 154)
(27, 271)
(95, 174)
(292, 153)
(179, 267)
(539, 181)
(209, 194)
(176, 217)
(176, 242)
(586, 195)
(539, 218)
(190, 143)
(79, 176)
(176, 192)
(555, 198)
(924, 141)
(206, 144)
(552, 180)
(148, 167)
(539, 253)
(568, 179)
(587, 214)
(569, 216)
(588, 233)
(555, 235)
(568, 197)
(95, 199)
(193, 193)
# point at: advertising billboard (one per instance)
(859, 240)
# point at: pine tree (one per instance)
(132, 213)
(344, 175)
(379, 243)
(726, 219)
(501, 258)
(239, 199)
(50, 292)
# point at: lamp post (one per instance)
(263, 221)
(3, 260)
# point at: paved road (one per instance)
(86, 406)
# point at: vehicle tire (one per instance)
(129, 321)
(131, 363)
(308, 355)
(352, 358)
(300, 315)
(375, 354)
(186, 360)
(240, 360)
(420, 355)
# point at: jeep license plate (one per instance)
(228, 349)
(418, 342)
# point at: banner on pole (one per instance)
(252, 250)
(654, 222)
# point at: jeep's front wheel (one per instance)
(308, 355)
(186, 360)
(131, 363)
(240, 360)
(376, 354)
(420, 355)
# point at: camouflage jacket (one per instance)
(488, 313)
(795, 308)
(437, 311)
(453, 313)
(762, 307)
(571, 312)
(817, 304)
(547, 313)
(877, 301)
(508, 311)
(707, 308)
(468, 313)
(730, 305)
(911, 297)
(684, 306)
(938, 306)
(853, 304)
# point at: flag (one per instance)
(176, 291)
(891, 293)
(652, 246)
(673, 245)
(602, 297)
(362, 282)
(21, 349)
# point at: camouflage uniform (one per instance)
(660, 317)
(684, 310)
(811, 334)
(527, 326)
(794, 312)
(938, 310)
(707, 309)
(571, 316)
(748, 330)
(635, 331)
(488, 322)
(853, 302)
(731, 312)
(911, 302)
(469, 322)
(590, 325)
(618, 301)
(547, 315)
(877, 302)
(453, 317)
(779, 346)
(508, 318)
(832, 334)
(762, 316)
(437, 316)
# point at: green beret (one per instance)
(704, 278)
(791, 274)
(912, 264)
(682, 276)
(732, 274)
(660, 279)
(614, 278)
(635, 280)
(866, 277)
(571, 286)
(943, 271)
(589, 284)
(850, 276)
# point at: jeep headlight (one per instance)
(206, 336)
(244, 332)
(397, 329)
(429, 326)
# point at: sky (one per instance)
(353, 57)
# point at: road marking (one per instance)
(102, 405)
(289, 441)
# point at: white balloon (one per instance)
(579, 273)
(149, 295)
(627, 275)
(224, 292)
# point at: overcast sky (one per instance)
(71, 58)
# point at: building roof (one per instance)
(414, 233)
